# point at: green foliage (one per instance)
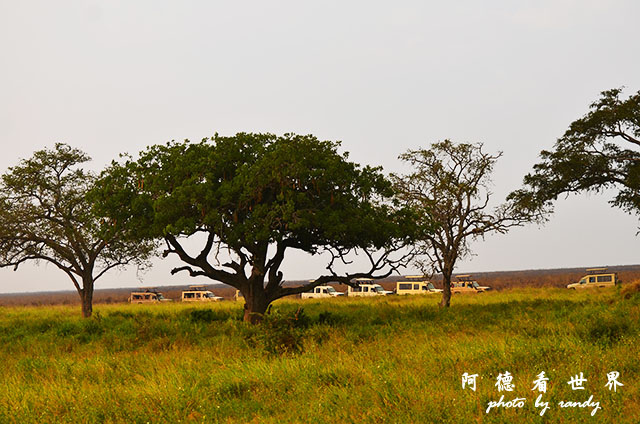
(329, 318)
(449, 187)
(631, 290)
(251, 188)
(283, 333)
(207, 315)
(46, 214)
(252, 194)
(608, 331)
(598, 151)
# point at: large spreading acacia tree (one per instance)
(46, 215)
(450, 186)
(254, 197)
(598, 151)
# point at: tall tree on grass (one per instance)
(253, 198)
(46, 215)
(600, 150)
(450, 185)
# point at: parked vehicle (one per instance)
(416, 284)
(320, 292)
(367, 287)
(199, 294)
(465, 284)
(597, 277)
(147, 295)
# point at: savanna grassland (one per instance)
(392, 359)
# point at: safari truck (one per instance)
(367, 287)
(147, 295)
(465, 284)
(321, 291)
(596, 277)
(199, 294)
(415, 284)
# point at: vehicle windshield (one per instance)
(378, 288)
(160, 296)
(210, 295)
(331, 290)
(430, 286)
(475, 285)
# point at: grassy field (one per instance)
(392, 359)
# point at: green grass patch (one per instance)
(392, 359)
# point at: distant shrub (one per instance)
(328, 318)
(630, 290)
(121, 314)
(607, 330)
(336, 378)
(68, 328)
(207, 315)
(93, 327)
(362, 333)
(235, 389)
(282, 334)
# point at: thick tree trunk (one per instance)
(255, 305)
(446, 290)
(87, 298)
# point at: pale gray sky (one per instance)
(116, 76)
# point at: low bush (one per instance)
(283, 333)
(630, 290)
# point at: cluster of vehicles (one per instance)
(365, 287)
(418, 284)
(193, 294)
(409, 285)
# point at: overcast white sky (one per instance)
(117, 76)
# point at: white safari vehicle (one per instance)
(147, 295)
(465, 284)
(416, 284)
(321, 291)
(367, 287)
(199, 294)
(597, 277)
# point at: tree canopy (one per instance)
(254, 197)
(46, 215)
(450, 187)
(598, 151)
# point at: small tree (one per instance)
(45, 215)
(255, 197)
(450, 187)
(600, 150)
